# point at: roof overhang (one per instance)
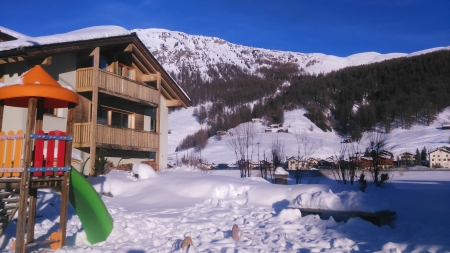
(170, 90)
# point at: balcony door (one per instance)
(115, 118)
(126, 71)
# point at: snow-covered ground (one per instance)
(155, 214)
(328, 144)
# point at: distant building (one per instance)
(256, 120)
(440, 157)
(312, 161)
(221, 133)
(293, 164)
(325, 165)
(405, 159)
(385, 160)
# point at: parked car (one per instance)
(221, 166)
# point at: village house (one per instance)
(293, 164)
(124, 92)
(256, 120)
(405, 159)
(312, 162)
(440, 157)
(251, 164)
(385, 160)
(325, 164)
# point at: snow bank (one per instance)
(144, 171)
(343, 201)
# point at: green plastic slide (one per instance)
(91, 210)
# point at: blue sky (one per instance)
(337, 27)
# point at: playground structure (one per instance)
(46, 163)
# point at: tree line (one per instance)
(394, 93)
(391, 94)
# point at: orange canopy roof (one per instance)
(39, 84)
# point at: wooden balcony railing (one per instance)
(115, 137)
(116, 85)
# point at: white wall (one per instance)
(440, 157)
(14, 118)
(164, 134)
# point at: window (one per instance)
(119, 119)
(150, 119)
(102, 64)
(102, 116)
(125, 71)
(56, 112)
(153, 124)
(114, 117)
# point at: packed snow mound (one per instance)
(343, 201)
(281, 171)
(290, 215)
(144, 171)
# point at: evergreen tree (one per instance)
(367, 153)
(417, 157)
(423, 154)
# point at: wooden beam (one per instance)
(150, 77)
(94, 108)
(1, 114)
(65, 184)
(173, 103)
(139, 55)
(39, 61)
(33, 192)
(158, 118)
(20, 58)
(47, 61)
(10, 60)
(139, 64)
(166, 95)
(129, 48)
(25, 182)
(3, 61)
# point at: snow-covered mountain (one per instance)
(175, 49)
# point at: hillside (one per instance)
(328, 144)
(336, 94)
(177, 49)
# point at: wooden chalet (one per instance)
(405, 159)
(124, 92)
(385, 160)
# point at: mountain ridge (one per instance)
(196, 52)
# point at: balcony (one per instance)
(116, 85)
(115, 138)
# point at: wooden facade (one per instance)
(121, 89)
(112, 137)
